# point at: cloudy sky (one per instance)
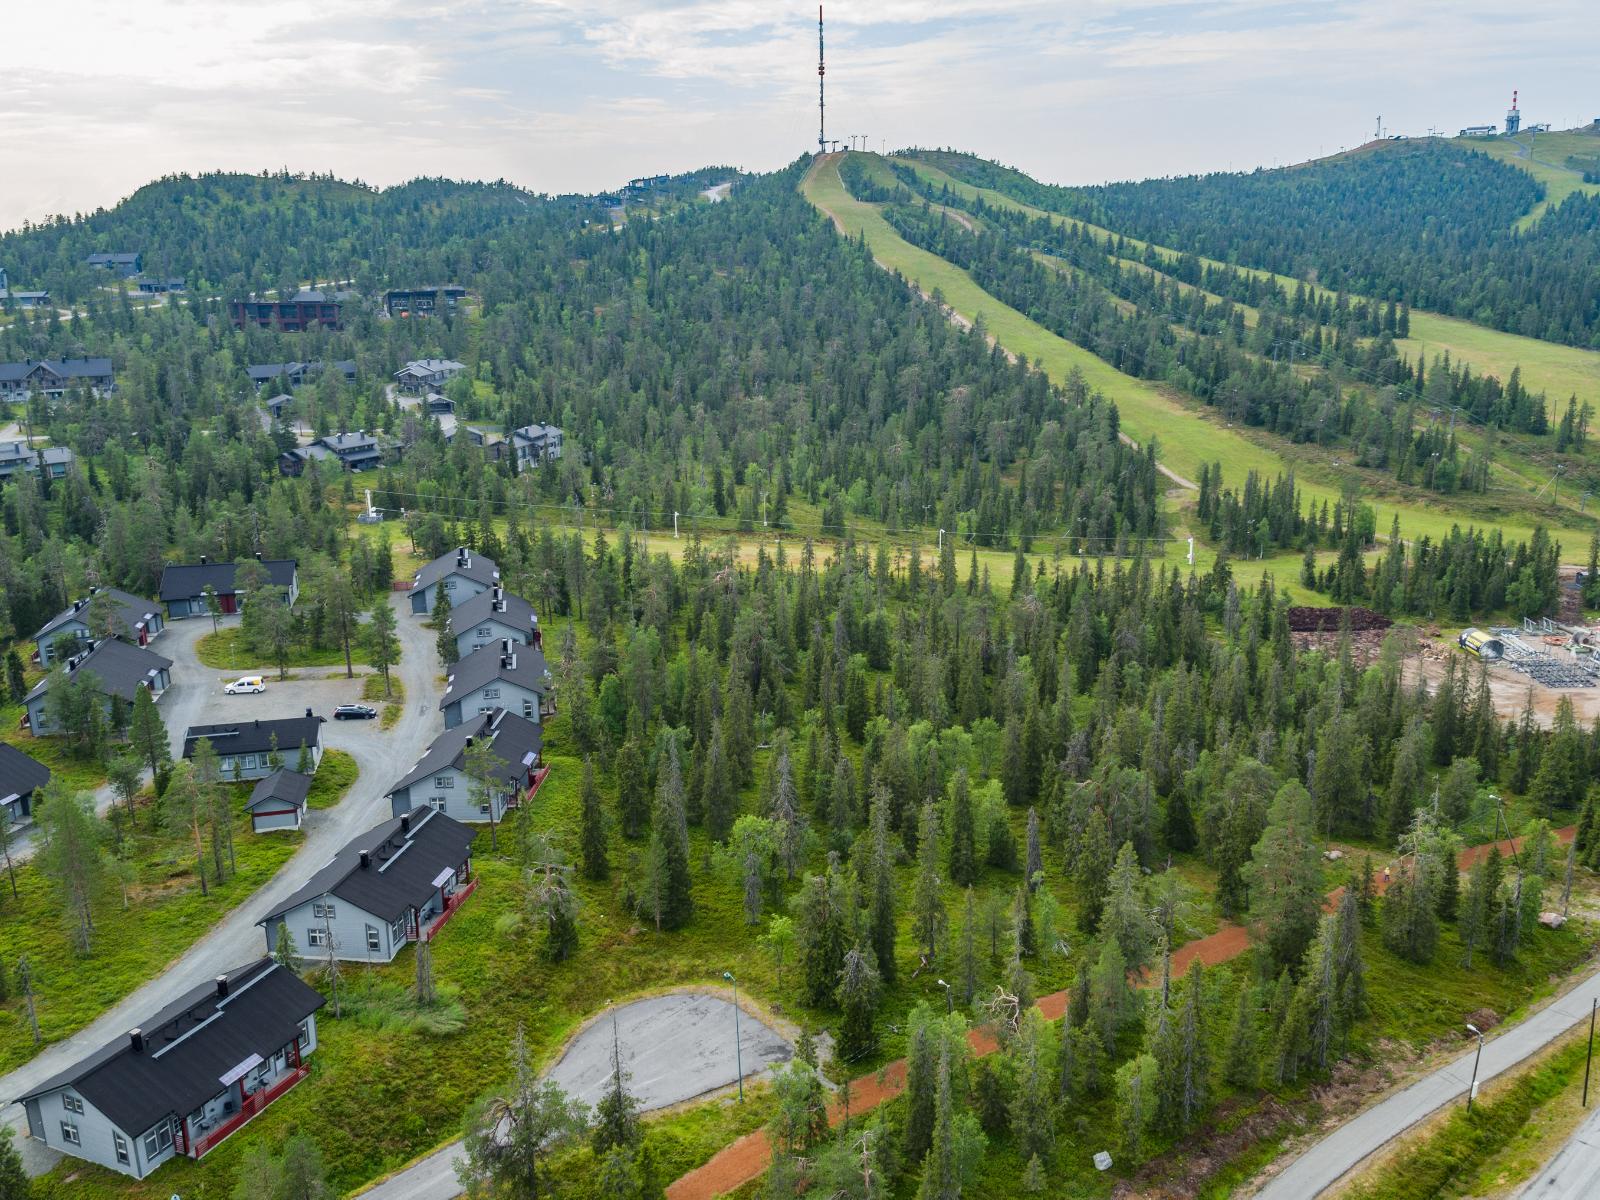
(100, 96)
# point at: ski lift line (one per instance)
(730, 524)
(1100, 344)
(1072, 254)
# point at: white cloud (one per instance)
(102, 95)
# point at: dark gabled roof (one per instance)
(495, 604)
(515, 740)
(66, 368)
(404, 858)
(189, 1046)
(521, 665)
(129, 612)
(459, 561)
(255, 737)
(183, 581)
(19, 774)
(119, 667)
(431, 366)
(344, 442)
(128, 257)
(283, 786)
(535, 433)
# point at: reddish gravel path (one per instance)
(746, 1159)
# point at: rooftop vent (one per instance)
(222, 987)
(136, 1040)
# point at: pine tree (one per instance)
(592, 827)
(1286, 878)
(823, 931)
(147, 738)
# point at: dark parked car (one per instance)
(354, 712)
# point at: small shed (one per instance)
(279, 801)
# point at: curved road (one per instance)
(1319, 1167)
(235, 939)
(674, 1048)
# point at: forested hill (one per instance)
(1425, 223)
(250, 232)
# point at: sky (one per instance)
(101, 96)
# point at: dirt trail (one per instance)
(748, 1158)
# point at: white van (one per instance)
(246, 685)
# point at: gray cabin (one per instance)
(278, 801)
(128, 618)
(245, 749)
(461, 573)
(55, 377)
(183, 585)
(392, 885)
(493, 616)
(126, 264)
(53, 461)
(20, 777)
(501, 675)
(186, 1078)
(118, 670)
(440, 781)
(427, 374)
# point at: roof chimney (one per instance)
(469, 741)
(366, 860)
(204, 560)
(405, 824)
(222, 987)
(308, 714)
(258, 556)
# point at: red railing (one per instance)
(450, 907)
(253, 1104)
(535, 782)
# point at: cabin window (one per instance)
(397, 931)
(491, 693)
(158, 1140)
(319, 909)
(71, 1103)
(120, 1144)
(69, 1133)
(527, 710)
(316, 936)
(444, 781)
(304, 1039)
(482, 631)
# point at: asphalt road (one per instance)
(196, 695)
(674, 1048)
(1574, 1173)
(1325, 1162)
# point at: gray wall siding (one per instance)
(475, 638)
(512, 698)
(72, 629)
(457, 587)
(459, 803)
(262, 761)
(95, 1132)
(349, 926)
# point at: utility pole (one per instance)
(738, 1049)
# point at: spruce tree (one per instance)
(717, 787)
(668, 899)
(963, 838)
(1126, 917)
(860, 987)
(879, 886)
(928, 901)
(592, 827)
(633, 789)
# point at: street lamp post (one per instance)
(738, 1050)
(1472, 1090)
(949, 997)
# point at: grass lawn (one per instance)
(1544, 156)
(1188, 437)
(335, 773)
(134, 937)
(393, 701)
(225, 650)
